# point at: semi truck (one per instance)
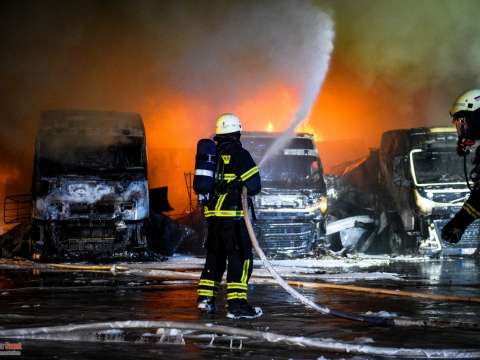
(89, 187)
(421, 184)
(291, 208)
(425, 178)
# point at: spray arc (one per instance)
(322, 309)
(318, 71)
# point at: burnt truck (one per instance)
(90, 188)
(424, 183)
(290, 210)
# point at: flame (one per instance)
(270, 127)
(175, 125)
(277, 103)
(306, 127)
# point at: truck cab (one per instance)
(90, 187)
(424, 179)
(292, 205)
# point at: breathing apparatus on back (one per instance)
(205, 168)
(206, 160)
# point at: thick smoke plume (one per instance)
(318, 45)
(396, 64)
(179, 63)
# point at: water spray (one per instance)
(376, 320)
(373, 320)
(318, 70)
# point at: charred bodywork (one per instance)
(291, 206)
(420, 186)
(90, 189)
(425, 178)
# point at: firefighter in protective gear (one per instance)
(465, 113)
(227, 233)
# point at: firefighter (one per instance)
(465, 113)
(227, 233)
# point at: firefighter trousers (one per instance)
(227, 242)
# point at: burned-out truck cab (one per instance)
(291, 207)
(425, 182)
(90, 189)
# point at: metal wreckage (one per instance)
(410, 188)
(94, 202)
(90, 196)
(291, 209)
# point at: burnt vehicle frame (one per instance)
(291, 208)
(89, 185)
(423, 180)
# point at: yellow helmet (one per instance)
(468, 101)
(227, 123)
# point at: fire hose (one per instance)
(114, 268)
(375, 320)
(184, 329)
(465, 171)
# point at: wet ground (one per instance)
(33, 297)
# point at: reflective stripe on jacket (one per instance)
(236, 169)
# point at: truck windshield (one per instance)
(295, 165)
(72, 156)
(436, 167)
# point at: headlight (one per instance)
(318, 203)
(323, 205)
(425, 206)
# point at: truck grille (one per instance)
(285, 238)
(103, 246)
(470, 240)
(85, 210)
(96, 237)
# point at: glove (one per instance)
(451, 233)
(463, 146)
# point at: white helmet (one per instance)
(227, 123)
(468, 101)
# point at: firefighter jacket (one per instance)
(235, 169)
(470, 211)
(471, 207)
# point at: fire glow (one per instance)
(175, 125)
(7, 176)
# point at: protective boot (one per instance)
(206, 304)
(241, 309)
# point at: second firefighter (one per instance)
(465, 114)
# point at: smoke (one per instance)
(414, 44)
(249, 50)
(242, 58)
(396, 64)
(317, 50)
(179, 63)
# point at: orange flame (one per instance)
(174, 126)
(307, 127)
(270, 127)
